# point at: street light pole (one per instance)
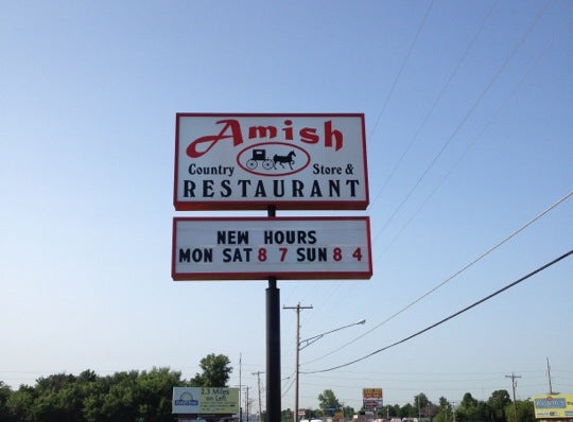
(313, 339)
(307, 342)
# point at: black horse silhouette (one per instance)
(282, 159)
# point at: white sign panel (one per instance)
(255, 248)
(205, 400)
(252, 161)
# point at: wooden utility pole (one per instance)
(297, 366)
(513, 385)
(258, 374)
(549, 376)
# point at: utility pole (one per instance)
(297, 366)
(258, 374)
(513, 385)
(549, 376)
(247, 404)
(453, 404)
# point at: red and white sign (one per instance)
(252, 161)
(254, 248)
(372, 393)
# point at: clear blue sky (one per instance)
(469, 118)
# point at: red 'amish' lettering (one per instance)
(212, 140)
(333, 138)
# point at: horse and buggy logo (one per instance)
(273, 159)
(260, 155)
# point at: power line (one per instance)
(457, 273)
(469, 112)
(408, 54)
(473, 141)
(436, 100)
(504, 103)
(286, 389)
(473, 305)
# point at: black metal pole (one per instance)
(273, 346)
(273, 352)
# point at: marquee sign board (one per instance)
(253, 248)
(252, 161)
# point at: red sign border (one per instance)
(283, 275)
(246, 205)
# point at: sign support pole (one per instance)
(273, 345)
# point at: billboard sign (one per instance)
(372, 393)
(252, 161)
(553, 406)
(372, 398)
(256, 248)
(205, 400)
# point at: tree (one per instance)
(286, 415)
(472, 410)
(327, 400)
(57, 399)
(154, 391)
(421, 401)
(122, 397)
(117, 399)
(468, 401)
(216, 372)
(5, 393)
(525, 411)
(348, 412)
(497, 403)
(20, 403)
(424, 406)
(389, 410)
(443, 402)
(408, 411)
(445, 410)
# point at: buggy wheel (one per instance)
(252, 164)
(268, 164)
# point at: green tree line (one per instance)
(146, 396)
(123, 396)
(128, 396)
(498, 408)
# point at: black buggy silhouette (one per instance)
(268, 163)
(260, 155)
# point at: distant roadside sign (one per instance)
(251, 161)
(372, 393)
(553, 406)
(205, 400)
(254, 248)
(372, 398)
